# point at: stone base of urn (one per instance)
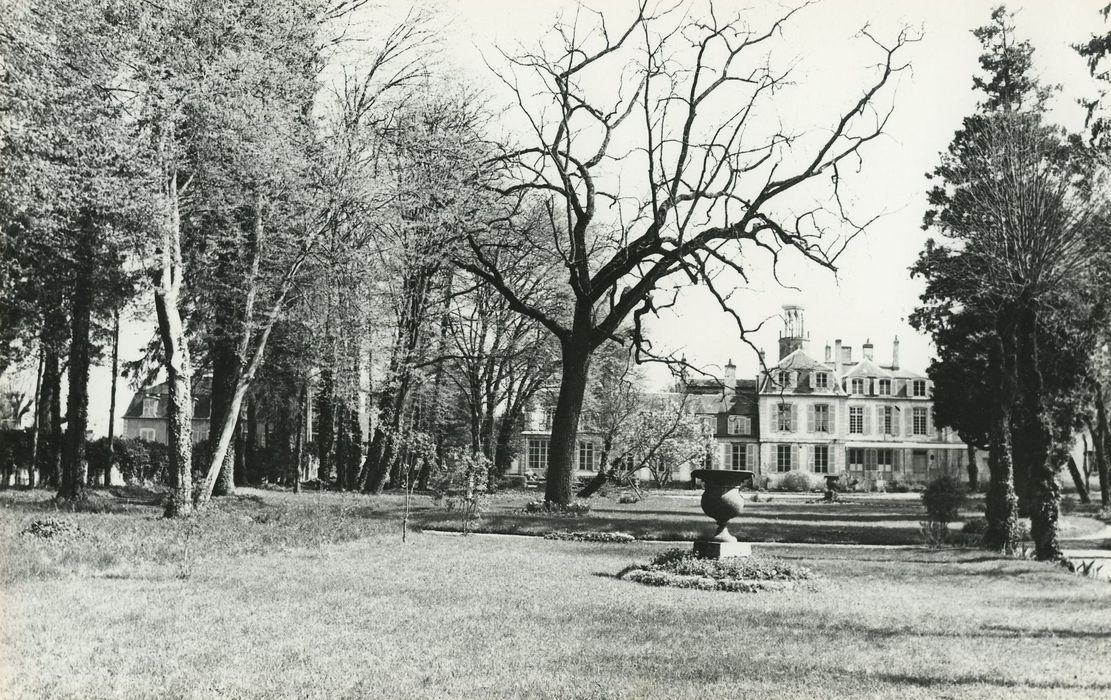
(707, 549)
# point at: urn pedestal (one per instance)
(722, 501)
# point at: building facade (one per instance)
(146, 415)
(854, 415)
(850, 415)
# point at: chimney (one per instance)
(730, 379)
(837, 358)
(847, 354)
(895, 354)
(828, 358)
(867, 349)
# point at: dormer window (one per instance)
(150, 408)
(919, 387)
(857, 385)
(885, 387)
(821, 380)
(783, 379)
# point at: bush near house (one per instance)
(139, 461)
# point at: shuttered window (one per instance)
(821, 459)
(785, 417)
(738, 456)
(537, 454)
(919, 421)
(857, 385)
(586, 455)
(784, 458)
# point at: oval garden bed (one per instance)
(679, 568)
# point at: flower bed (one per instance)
(679, 568)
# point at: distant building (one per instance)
(850, 415)
(856, 416)
(146, 415)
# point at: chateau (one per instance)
(854, 415)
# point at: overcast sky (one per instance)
(871, 295)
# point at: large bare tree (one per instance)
(650, 148)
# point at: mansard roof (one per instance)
(868, 368)
(799, 360)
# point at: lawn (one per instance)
(777, 517)
(314, 595)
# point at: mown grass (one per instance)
(315, 596)
(677, 516)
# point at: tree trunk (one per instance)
(175, 348)
(225, 375)
(1044, 489)
(250, 449)
(326, 425)
(1101, 442)
(112, 399)
(80, 355)
(1078, 481)
(973, 470)
(343, 445)
(300, 455)
(565, 423)
(37, 423)
(50, 452)
(1002, 505)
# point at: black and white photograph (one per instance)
(607, 349)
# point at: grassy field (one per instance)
(676, 515)
(315, 596)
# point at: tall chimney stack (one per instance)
(837, 359)
(828, 357)
(730, 378)
(895, 354)
(867, 349)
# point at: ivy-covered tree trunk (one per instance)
(1001, 504)
(1044, 489)
(225, 374)
(1101, 436)
(326, 425)
(80, 351)
(251, 448)
(49, 455)
(973, 470)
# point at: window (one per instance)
(740, 425)
(150, 408)
(856, 459)
(856, 419)
(200, 434)
(537, 455)
(918, 387)
(887, 420)
(821, 418)
(919, 421)
(709, 425)
(586, 455)
(146, 434)
(783, 379)
(546, 419)
(738, 456)
(885, 387)
(784, 457)
(885, 461)
(821, 459)
(821, 380)
(857, 385)
(783, 417)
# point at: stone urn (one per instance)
(722, 501)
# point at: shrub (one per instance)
(628, 498)
(943, 499)
(573, 509)
(975, 526)
(796, 481)
(619, 537)
(139, 461)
